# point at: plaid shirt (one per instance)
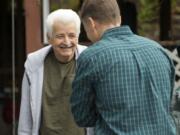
(123, 86)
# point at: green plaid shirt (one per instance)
(123, 86)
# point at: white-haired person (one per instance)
(49, 72)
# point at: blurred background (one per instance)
(22, 31)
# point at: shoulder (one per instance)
(93, 50)
(36, 58)
(39, 52)
(147, 41)
(81, 48)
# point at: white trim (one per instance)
(46, 10)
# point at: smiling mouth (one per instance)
(65, 46)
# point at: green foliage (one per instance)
(148, 11)
(72, 4)
(175, 7)
(174, 3)
(148, 16)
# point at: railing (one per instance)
(174, 56)
(173, 50)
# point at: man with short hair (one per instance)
(46, 86)
(123, 82)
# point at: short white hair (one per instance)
(64, 16)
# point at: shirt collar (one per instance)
(121, 30)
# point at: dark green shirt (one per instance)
(56, 113)
(123, 86)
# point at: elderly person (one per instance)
(46, 86)
(124, 82)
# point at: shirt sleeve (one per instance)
(83, 95)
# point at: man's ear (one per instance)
(96, 27)
(91, 22)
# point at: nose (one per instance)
(66, 40)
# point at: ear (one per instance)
(49, 39)
(92, 22)
(94, 26)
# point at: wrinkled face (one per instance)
(64, 40)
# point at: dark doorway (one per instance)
(128, 14)
(6, 60)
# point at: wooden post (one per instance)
(33, 25)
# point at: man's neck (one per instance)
(104, 28)
(63, 60)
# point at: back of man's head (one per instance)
(103, 11)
